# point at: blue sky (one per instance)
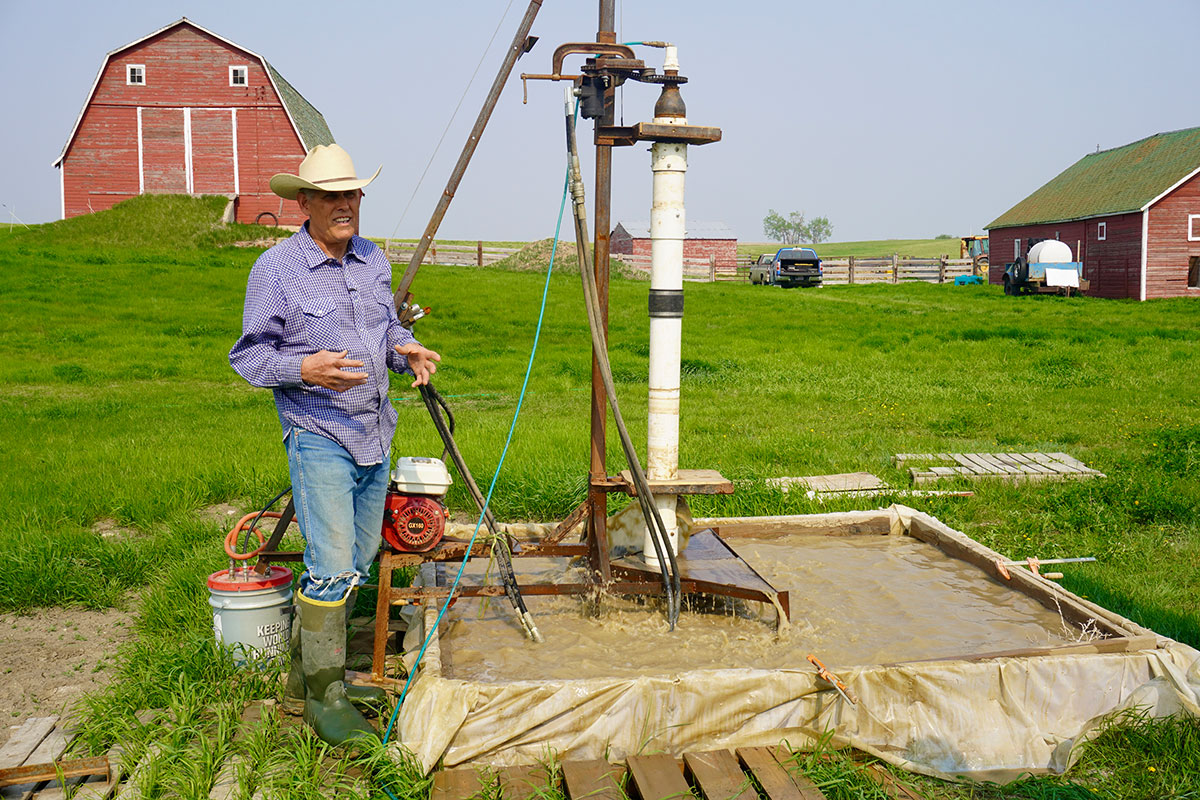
(895, 120)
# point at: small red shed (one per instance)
(1130, 214)
(185, 111)
(701, 240)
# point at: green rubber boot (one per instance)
(323, 656)
(293, 693)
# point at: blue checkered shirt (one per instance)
(300, 301)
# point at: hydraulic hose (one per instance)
(659, 538)
(434, 404)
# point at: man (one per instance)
(320, 329)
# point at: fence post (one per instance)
(433, 250)
(942, 269)
(479, 252)
(850, 270)
(712, 269)
(895, 268)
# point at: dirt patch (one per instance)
(54, 656)
(222, 514)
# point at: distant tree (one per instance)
(819, 230)
(943, 236)
(788, 230)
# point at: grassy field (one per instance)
(117, 403)
(878, 248)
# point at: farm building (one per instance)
(702, 240)
(1130, 214)
(185, 111)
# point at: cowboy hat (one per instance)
(326, 168)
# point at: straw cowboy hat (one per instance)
(326, 168)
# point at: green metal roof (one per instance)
(312, 126)
(1115, 181)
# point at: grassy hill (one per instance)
(878, 248)
(148, 222)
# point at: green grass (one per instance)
(117, 402)
(878, 248)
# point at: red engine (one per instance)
(413, 523)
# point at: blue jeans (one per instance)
(339, 505)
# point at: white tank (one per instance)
(1050, 251)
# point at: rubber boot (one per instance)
(323, 656)
(293, 693)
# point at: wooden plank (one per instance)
(26, 739)
(657, 777)
(718, 775)
(776, 782)
(689, 481)
(522, 782)
(226, 784)
(1028, 464)
(594, 779)
(996, 465)
(1054, 464)
(970, 466)
(888, 783)
(1071, 461)
(47, 752)
(461, 783)
(48, 771)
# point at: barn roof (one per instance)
(308, 123)
(640, 229)
(1117, 181)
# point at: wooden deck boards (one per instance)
(1015, 467)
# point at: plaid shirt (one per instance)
(299, 301)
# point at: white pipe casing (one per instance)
(668, 163)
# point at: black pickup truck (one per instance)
(791, 266)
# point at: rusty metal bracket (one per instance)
(590, 48)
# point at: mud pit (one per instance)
(1007, 688)
(855, 600)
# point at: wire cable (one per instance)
(450, 121)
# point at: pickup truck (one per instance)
(791, 266)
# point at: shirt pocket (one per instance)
(381, 311)
(322, 329)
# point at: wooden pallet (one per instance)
(31, 765)
(1014, 467)
(743, 774)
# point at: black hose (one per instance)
(434, 403)
(254, 523)
(658, 531)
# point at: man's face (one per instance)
(332, 217)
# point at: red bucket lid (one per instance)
(276, 576)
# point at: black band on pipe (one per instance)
(666, 303)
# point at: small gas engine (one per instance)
(414, 516)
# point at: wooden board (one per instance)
(27, 738)
(690, 481)
(592, 780)
(1010, 466)
(522, 782)
(718, 775)
(776, 782)
(657, 777)
(841, 482)
(461, 783)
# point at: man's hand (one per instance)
(420, 361)
(324, 368)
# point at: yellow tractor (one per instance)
(976, 249)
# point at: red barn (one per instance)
(1130, 214)
(185, 111)
(701, 240)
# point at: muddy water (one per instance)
(854, 600)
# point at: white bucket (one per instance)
(251, 612)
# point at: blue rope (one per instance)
(487, 501)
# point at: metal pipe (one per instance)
(515, 50)
(668, 163)
(597, 469)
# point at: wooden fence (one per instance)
(458, 255)
(891, 269)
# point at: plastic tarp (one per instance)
(989, 719)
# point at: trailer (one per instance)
(1047, 269)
